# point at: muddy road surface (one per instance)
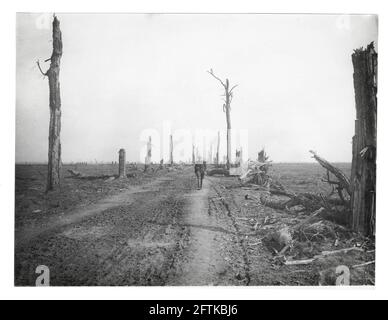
(157, 229)
(165, 232)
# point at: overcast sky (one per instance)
(122, 74)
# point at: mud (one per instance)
(159, 230)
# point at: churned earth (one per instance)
(152, 229)
(161, 232)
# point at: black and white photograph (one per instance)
(195, 150)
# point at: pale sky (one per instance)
(122, 74)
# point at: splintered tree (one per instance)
(148, 157)
(171, 150)
(226, 107)
(54, 150)
(193, 155)
(218, 149)
(363, 176)
(263, 158)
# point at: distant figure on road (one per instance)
(200, 170)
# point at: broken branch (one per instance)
(343, 180)
(214, 76)
(363, 264)
(40, 69)
(298, 262)
(346, 250)
(230, 91)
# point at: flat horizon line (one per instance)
(142, 163)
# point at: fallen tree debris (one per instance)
(364, 264)
(307, 225)
(75, 173)
(346, 250)
(298, 262)
(274, 195)
(325, 254)
(343, 182)
(256, 171)
(309, 219)
(218, 171)
(285, 249)
(108, 178)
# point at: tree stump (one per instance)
(122, 173)
(363, 176)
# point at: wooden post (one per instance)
(363, 175)
(171, 151)
(122, 173)
(54, 149)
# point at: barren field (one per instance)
(157, 229)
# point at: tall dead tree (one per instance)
(363, 176)
(54, 150)
(148, 157)
(210, 155)
(218, 149)
(171, 150)
(226, 108)
(193, 155)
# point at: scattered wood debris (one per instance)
(75, 173)
(310, 228)
(363, 264)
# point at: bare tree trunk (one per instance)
(228, 125)
(148, 157)
(122, 160)
(218, 150)
(193, 155)
(226, 107)
(210, 154)
(171, 150)
(363, 177)
(54, 150)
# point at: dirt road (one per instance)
(162, 233)
(157, 229)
